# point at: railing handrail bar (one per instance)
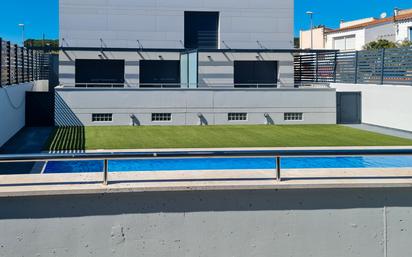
(160, 84)
(218, 153)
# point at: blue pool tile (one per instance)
(73, 166)
(230, 164)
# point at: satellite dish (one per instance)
(383, 15)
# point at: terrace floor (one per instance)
(27, 140)
(383, 130)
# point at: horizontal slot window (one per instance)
(161, 117)
(237, 116)
(102, 117)
(293, 116)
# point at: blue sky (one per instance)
(330, 12)
(41, 16)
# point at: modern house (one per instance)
(182, 63)
(354, 35)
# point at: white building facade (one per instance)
(354, 35)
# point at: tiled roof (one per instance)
(401, 17)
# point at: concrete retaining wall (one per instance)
(383, 105)
(12, 110)
(298, 223)
(75, 106)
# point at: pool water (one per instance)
(230, 164)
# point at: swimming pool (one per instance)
(229, 164)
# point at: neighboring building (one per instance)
(182, 63)
(318, 35)
(354, 35)
(404, 26)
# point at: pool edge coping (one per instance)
(205, 181)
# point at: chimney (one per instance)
(396, 11)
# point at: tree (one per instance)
(379, 44)
(405, 43)
(48, 43)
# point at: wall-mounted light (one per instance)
(160, 57)
(226, 45)
(139, 44)
(260, 44)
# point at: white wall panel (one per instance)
(383, 105)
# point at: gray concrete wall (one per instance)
(74, 106)
(215, 69)
(383, 105)
(160, 23)
(299, 223)
(12, 110)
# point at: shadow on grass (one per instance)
(67, 139)
(69, 136)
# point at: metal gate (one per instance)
(349, 107)
(39, 109)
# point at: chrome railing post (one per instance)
(105, 172)
(278, 176)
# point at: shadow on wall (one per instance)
(64, 116)
(201, 201)
(135, 120)
(269, 120)
(69, 135)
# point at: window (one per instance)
(345, 43)
(159, 73)
(161, 116)
(410, 33)
(102, 117)
(255, 74)
(189, 69)
(201, 30)
(293, 116)
(237, 116)
(99, 73)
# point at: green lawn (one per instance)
(89, 138)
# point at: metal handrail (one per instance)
(278, 154)
(170, 85)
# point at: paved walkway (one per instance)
(383, 130)
(27, 140)
(126, 182)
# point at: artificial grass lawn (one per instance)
(92, 138)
